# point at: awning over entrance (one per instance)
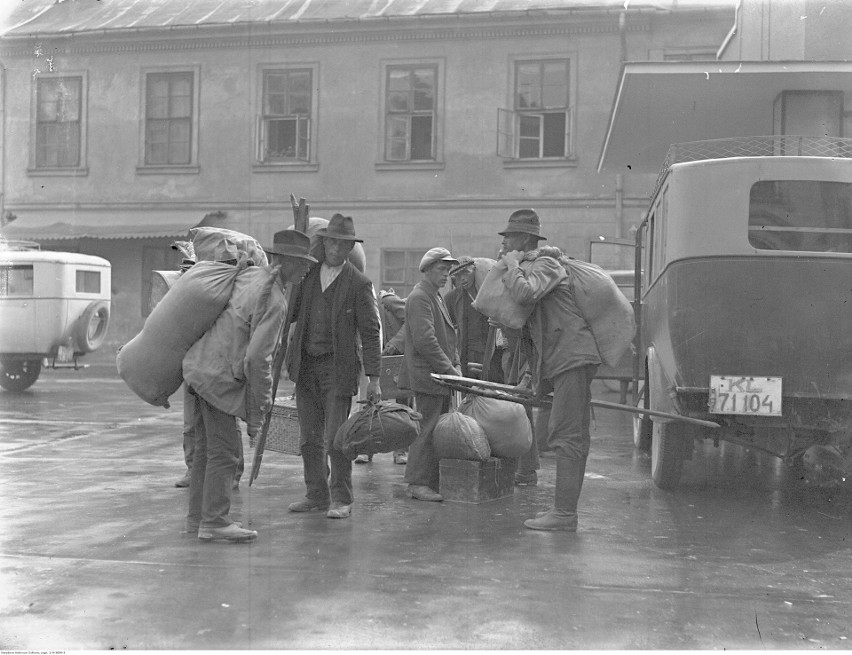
(660, 103)
(33, 230)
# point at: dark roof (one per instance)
(41, 17)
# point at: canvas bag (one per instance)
(494, 301)
(217, 244)
(505, 424)
(381, 427)
(458, 436)
(151, 363)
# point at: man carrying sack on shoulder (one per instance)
(566, 359)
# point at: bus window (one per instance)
(802, 215)
(649, 250)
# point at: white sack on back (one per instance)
(505, 424)
(217, 244)
(151, 363)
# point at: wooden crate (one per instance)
(468, 481)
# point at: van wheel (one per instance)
(17, 375)
(668, 450)
(91, 328)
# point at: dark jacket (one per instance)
(472, 333)
(354, 314)
(430, 342)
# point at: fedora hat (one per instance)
(340, 227)
(525, 221)
(291, 243)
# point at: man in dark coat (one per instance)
(430, 347)
(334, 309)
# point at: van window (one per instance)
(16, 280)
(88, 282)
(802, 215)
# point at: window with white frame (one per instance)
(59, 121)
(284, 123)
(169, 118)
(411, 102)
(540, 123)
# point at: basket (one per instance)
(283, 435)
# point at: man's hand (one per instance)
(511, 259)
(374, 391)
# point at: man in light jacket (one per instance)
(228, 373)
(430, 347)
(566, 360)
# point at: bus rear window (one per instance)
(88, 282)
(803, 215)
(16, 280)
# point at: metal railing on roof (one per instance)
(780, 145)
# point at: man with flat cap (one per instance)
(430, 347)
(565, 359)
(337, 326)
(228, 375)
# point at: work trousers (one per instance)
(190, 411)
(218, 450)
(321, 413)
(568, 428)
(423, 466)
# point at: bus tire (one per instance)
(669, 444)
(91, 328)
(17, 375)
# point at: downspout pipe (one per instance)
(731, 32)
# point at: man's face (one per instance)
(293, 269)
(464, 279)
(514, 241)
(336, 250)
(438, 273)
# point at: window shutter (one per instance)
(261, 138)
(506, 133)
(569, 132)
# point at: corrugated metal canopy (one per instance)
(660, 103)
(32, 17)
(35, 231)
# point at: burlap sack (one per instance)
(494, 301)
(151, 363)
(458, 436)
(505, 424)
(217, 244)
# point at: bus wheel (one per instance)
(668, 450)
(17, 375)
(642, 430)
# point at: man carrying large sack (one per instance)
(228, 373)
(566, 360)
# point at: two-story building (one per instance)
(126, 122)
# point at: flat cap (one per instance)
(436, 255)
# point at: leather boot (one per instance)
(569, 483)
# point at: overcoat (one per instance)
(354, 314)
(430, 341)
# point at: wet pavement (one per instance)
(92, 554)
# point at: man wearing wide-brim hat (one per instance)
(430, 347)
(337, 327)
(243, 338)
(565, 360)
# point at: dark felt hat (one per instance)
(525, 221)
(291, 243)
(340, 227)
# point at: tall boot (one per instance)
(569, 483)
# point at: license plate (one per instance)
(745, 394)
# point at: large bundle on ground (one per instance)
(605, 308)
(151, 363)
(505, 424)
(378, 428)
(315, 223)
(458, 436)
(217, 244)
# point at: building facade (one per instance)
(125, 123)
